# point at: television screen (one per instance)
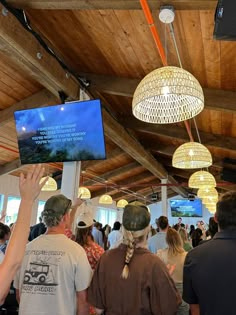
(186, 208)
(225, 20)
(60, 133)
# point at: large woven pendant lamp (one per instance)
(201, 179)
(50, 185)
(191, 155)
(167, 95)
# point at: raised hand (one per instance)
(30, 186)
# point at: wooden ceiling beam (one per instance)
(111, 188)
(209, 140)
(136, 192)
(110, 155)
(214, 99)
(39, 99)
(116, 172)
(9, 167)
(111, 4)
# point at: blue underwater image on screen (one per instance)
(59, 133)
(186, 208)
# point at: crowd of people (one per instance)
(131, 268)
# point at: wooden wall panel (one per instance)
(211, 49)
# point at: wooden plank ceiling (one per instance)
(109, 44)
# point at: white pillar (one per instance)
(164, 197)
(70, 179)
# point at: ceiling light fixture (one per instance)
(84, 193)
(121, 203)
(167, 95)
(50, 185)
(191, 155)
(201, 179)
(105, 200)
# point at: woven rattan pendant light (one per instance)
(105, 200)
(201, 179)
(210, 199)
(211, 207)
(121, 203)
(191, 155)
(50, 185)
(167, 95)
(84, 193)
(205, 192)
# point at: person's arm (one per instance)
(82, 303)
(29, 190)
(76, 203)
(18, 296)
(195, 309)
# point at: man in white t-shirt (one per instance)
(115, 237)
(1, 256)
(55, 272)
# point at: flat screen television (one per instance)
(60, 133)
(225, 20)
(186, 208)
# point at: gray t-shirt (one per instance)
(157, 241)
(53, 270)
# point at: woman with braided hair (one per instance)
(129, 279)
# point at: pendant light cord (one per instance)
(181, 66)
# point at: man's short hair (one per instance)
(162, 222)
(116, 226)
(226, 211)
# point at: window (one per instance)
(41, 204)
(106, 216)
(13, 204)
(1, 204)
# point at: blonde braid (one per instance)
(129, 253)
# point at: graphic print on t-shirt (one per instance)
(40, 275)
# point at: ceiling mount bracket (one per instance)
(167, 14)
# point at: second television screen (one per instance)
(59, 133)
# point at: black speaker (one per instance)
(225, 20)
(229, 175)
